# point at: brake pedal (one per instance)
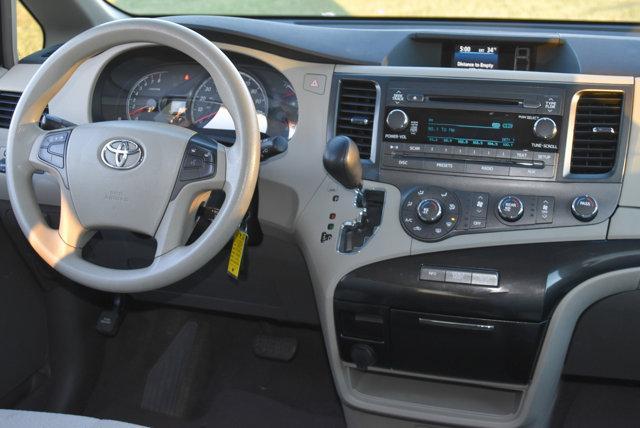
(274, 347)
(109, 321)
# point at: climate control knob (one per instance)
(397, 120)
(545, 128)
(510, 208)
(584, 208)
(429, 211)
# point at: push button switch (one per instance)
(432, 274)
(199, 159)
(544, 209)
(458, 276)
(52, 148)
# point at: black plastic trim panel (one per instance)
(533, 279)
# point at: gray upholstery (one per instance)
(27, 419)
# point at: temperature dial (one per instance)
(545, 128)
(397, 120)
(584, 208)
(429, 211)
(510, 208)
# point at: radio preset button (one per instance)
(521, 155)
(510, 208)
(397, 120)
(503, 154)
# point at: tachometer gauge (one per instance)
(145, 96)
(207, 109)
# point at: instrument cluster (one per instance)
(162, 85)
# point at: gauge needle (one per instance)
(206, 116)
(140, 110)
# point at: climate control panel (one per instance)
(432, 213)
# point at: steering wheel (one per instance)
(142, 177)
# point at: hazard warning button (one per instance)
(315, 83)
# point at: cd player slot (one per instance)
(475, 100)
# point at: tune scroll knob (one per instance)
(545, 128)
(397, 120)
(510, 208)
(429, 211)
(584, 208)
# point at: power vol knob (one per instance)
(397, 120)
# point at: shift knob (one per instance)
(342, 161)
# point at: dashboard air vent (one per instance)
(596, 132)
(356, 108)
(8, 101)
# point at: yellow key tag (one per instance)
(237, 252)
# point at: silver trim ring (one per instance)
(122, 154)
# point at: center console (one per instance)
(507, 133)
(472, 157)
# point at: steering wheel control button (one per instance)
(584, 208)
(544, 209)
(52, 148)
(192, 162)
(510, 208)
(199, 159)
(545, 128)
(56, 149)
(432, 274)
(429, 211)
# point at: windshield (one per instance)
(546, 10)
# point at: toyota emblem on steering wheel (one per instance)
(122, 154)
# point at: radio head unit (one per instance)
(514, 135)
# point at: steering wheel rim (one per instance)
(61, 248)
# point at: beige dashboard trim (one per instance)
(459, 73)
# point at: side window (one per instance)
(30, 37)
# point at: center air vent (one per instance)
(356, 108)
(597, 132)
(8, 101)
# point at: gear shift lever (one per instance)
(342, 161)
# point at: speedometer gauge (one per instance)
(206, 104)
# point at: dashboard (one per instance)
(501, 168)
(160, 85)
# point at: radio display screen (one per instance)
(476, 56)
(466, 128)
